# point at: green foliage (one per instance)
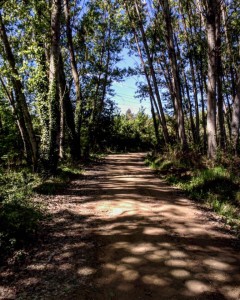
(133, 132)
(9, 137)
(54, 184)
(213, 186)
(19, 215)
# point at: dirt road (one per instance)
(123, 234)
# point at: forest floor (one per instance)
(120, 233)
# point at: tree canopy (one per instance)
(59, 59)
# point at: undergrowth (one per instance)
(217, 187)
(20, 214)
(65, 173)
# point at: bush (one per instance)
(19, 215)
(214, 186)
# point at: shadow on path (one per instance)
(121, 233)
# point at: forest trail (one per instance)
(121, 233)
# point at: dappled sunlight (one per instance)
(197, 286)
(180, 273)
(217, 265)
(151, 245)
(129, 237)
(86, 271)
(154, 280)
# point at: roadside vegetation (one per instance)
(59, 61)
(22, 209)
(216, 186)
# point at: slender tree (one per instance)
(50, 146)
(211, 8)
(20, 106)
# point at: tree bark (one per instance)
(236, 116)
(151, 93)
(155, 123)
(76, 79)
(21, 108)
(193, 76)
(219, 74)
(19, 120)
(175, 72)
(150, 63)
(51, 155)
(210, 12)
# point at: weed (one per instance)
(214, 186)
(52, 185)
(19, 215)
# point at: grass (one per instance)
(52, 185)
(20, 215)
(213, 186)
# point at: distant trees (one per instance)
(132, 132)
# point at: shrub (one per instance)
(214, 186)
(19, 215)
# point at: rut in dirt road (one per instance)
(120, 233)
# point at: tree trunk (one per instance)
(21, 108)
(175, 72)
(150, 63)
(235, 82)
(78, 109)
(74, 141)
(155, 124)
(210, 7)
(236, 116)
(51, 155)
(201, 88)
(194, 84)
(151, 93)
(19, 120)
(219, 74)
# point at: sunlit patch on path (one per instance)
(156, 244)
(121, 233)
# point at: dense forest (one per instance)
(59, 60)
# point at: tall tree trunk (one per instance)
(231, 62)
(193, 75)
(51, 155)
(19, 119)
(155, 124)
(235, 82)
(228, 114)
(193, 129)
(175, 72)
(150, 63)
(74, 142)
(201, 88)
(236, 115)
(21, 107)
(210, 12)
(79, 100)
(219, 74)
(62, 122)
(151, 93)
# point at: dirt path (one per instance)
(123, 234)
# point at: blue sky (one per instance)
(126, 89)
